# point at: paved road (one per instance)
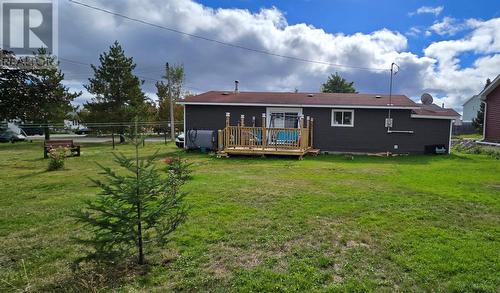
(90, 139)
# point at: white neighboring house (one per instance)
(471, 107)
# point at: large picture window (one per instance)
(342, 118)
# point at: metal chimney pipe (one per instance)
(236, 90)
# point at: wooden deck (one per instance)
(267, 151)
(251, 140)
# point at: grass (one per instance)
(417, 223)
(476, 136)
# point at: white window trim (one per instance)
(341, 125)
(280, 110)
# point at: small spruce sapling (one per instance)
(135, 209)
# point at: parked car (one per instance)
(179, 141)
(84, 130)
(7, 135)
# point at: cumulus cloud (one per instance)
(427, 10)
(448, 26)
(211, 66)
(413, 31)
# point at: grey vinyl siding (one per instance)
(214, 117)
(367, 135)
(370, 135)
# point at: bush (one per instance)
(178, 168)
(56, 158)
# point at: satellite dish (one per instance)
(426, 99)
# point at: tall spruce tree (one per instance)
(136, 207)
(14, 94)
(478, 122)
(51, 99)
(34, 94)
(117, 91)
(337, 84)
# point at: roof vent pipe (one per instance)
(236, 90)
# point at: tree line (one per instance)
(37, 95)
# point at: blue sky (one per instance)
(353, 16)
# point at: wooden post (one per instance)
(301, 125)
(242, 120)
(220, 143)
(228, 130)
(264, 138)
(311, 130)
(308, 122)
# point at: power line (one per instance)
(151, 79)
(222, 42)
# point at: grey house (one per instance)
(353, 123)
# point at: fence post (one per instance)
(242, 120)
(113, 137)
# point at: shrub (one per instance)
(56, 158)
(178, 168)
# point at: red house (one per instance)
(491, 97)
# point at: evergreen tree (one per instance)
(478, 122)
(14, 83)
(117, 91)
(34, 94)
(137, 207)
(51, 99)
(337, 84)
(170, 92)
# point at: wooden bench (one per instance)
(54, 144)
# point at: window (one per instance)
(343, 118)
(283, 117)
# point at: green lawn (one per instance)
(417, 223)
(469, 136)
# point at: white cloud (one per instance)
(427, 10)
(449, 26)
(210, 66)
(413, 32)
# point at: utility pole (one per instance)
(393, 72)
(171, 99)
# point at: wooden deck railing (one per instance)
(260, 138)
